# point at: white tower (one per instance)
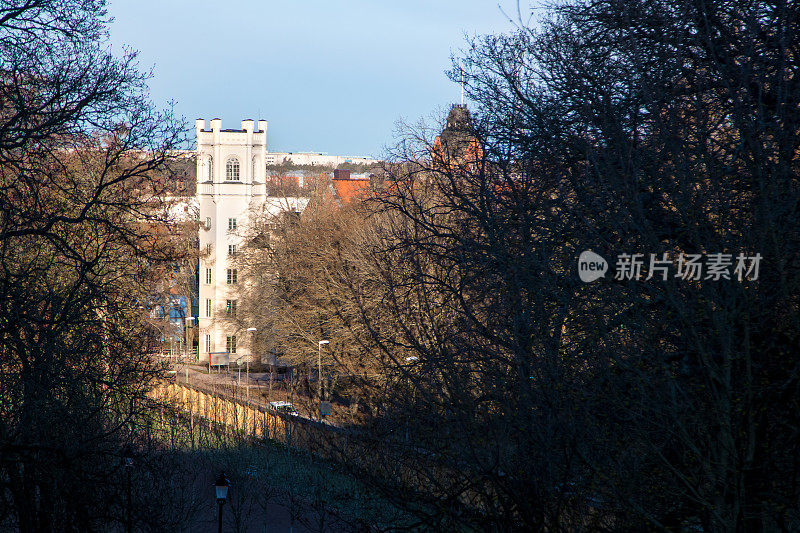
(230, 176)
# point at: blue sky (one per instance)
(329, 76)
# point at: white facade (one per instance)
(231, 180)
(313, 158)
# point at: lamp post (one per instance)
(221, 488)
(252, 349)
(127, 457)
(189, 320)
(319, 379)
(187, 325)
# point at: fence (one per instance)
(363, 453)
(223, 408)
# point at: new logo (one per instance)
(591, 266)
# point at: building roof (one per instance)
(349, 187)
(457, 146)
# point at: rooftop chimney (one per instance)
(341, 174)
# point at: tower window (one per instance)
(208, 308)
(208, 343)
(231, 224)
(231, 249)
(232, 169)
(230, 343)
(230, 308)
(210, 168)
(208, 276)
(233, 276)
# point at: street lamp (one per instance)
(319, 379)
(221, 488)
(239, 370)
(252, 346)
(189, 319)
(127, 457)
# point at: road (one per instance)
(258, 386)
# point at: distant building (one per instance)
(457, 148)
(292, 182)
(315, 159)
(231, 180)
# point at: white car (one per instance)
(283, 407)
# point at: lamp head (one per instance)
(221, 487)
(127, 455)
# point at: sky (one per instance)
(329, 76)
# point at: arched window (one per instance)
(210, 168)
(232, 169)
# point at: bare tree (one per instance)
(622, 127)
(78, 141)
(508, 391)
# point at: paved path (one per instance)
(277, 518)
